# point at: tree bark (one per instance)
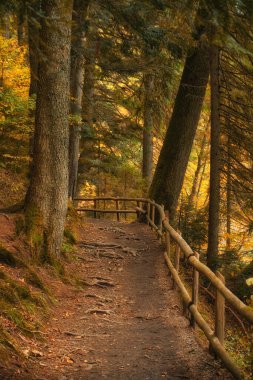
(33, 44)
(200, 183)
(214, 198)
(229, 195)
(201, 154)
(21, 16)
(76, 88)
(46, 201)
(171, 167)
(89, 83)
(147, 159)
(87, 149)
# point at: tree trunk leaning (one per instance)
(171, 167)
(214, 198)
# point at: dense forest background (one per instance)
(136, 98)
(137, 67)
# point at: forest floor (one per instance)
(125, 322)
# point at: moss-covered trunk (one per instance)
(46, 202)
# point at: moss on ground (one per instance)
(69, 236)
(19, 304)
(33, 279)
(25, 299)
(6, 340)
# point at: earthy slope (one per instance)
(125, 324)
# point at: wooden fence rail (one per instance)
(117, 200)
(153, 211)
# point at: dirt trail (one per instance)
(126, 323)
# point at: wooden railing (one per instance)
(116, 210)
(153, 212)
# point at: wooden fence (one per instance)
(96, 201)
(166, 234)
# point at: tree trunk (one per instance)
(171, 167)
(201, 154)
(200, 182)
(87, 149)
(214, 199)
(229, 195)
(89, 84)
(7, 26)
(33, 43)
(147, 159)
(76, 88)
(46, 202)
(21, 16)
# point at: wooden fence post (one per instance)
(98, 206)
(137, 212)
(167, 235)
(153, 214)
(95, 206)
(160, 226)
(148, 212)
(177, 258)
(195, 290)
(220, 312)
(219, 325)
(124, 205)
(177, 261)
(117, 208)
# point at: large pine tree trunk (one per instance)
(214, 198)
(171, 167)
(33, 43)
(147, 159)
(87, 149)
(88, 89)
(46, 202)
(76, 88)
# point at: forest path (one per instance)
(126, 323)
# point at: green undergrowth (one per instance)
(20, 304)
(10, 259)
(25, 298)
(7, 345)
(24, 301)
(33, 279)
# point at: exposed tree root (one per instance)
(17, 207)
